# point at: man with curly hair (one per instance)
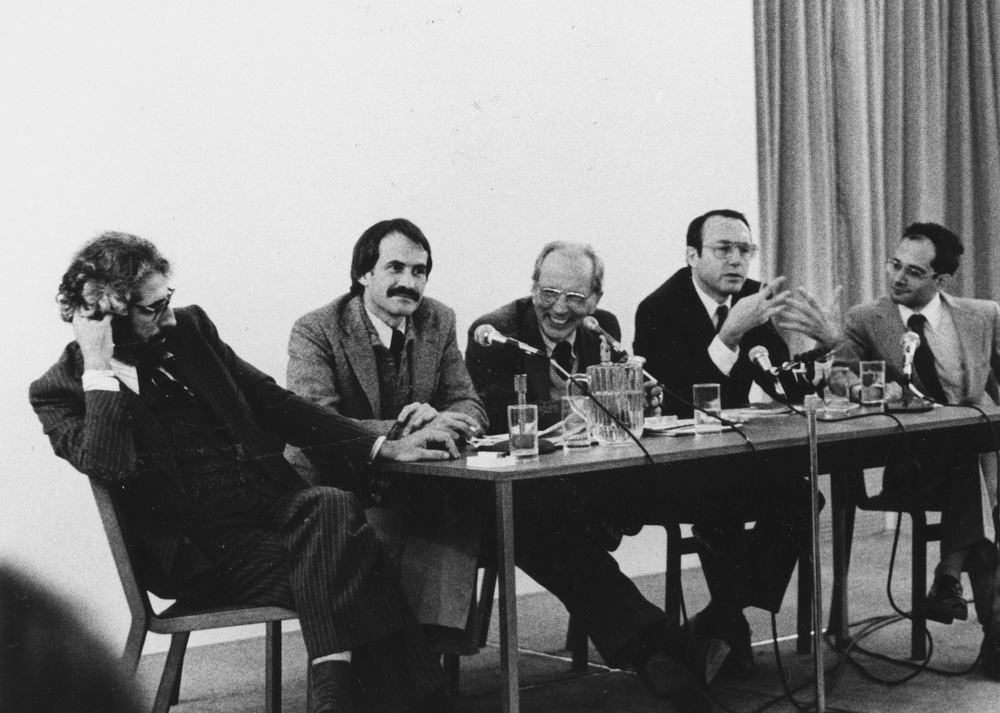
(190, 439)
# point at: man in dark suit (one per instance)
(957, 362)
(386, 356)
(559, 523)
(190, 437)
(699, 327)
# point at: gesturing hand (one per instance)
(804, 314)
(426, 444)
(95, 338)
(753, 311)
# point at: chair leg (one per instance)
(843, 510)
(171, 672)
(451, 673)
(672, 577)
(486, 603)
(576, 642)
(272, 667)
(175, 694)
(918, 642)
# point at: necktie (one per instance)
(169, 387)
(721, 313)
(396, 346)
(923, 361)
(563, 354)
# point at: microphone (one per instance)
(485, 335)
(910, 340)
(759, 356)
(590, 322)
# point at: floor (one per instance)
(229, 677)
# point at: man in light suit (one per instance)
(956, 363)
(189, 437)
(386, 357)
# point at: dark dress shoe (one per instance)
(674, 682)
(990, 661)
(945, 601)
(706, 625)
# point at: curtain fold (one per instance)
(871, 115)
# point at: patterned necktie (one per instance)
(396, 346)
(721, 313)
(923, 361)
(563, 354)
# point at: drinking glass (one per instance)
(523, 423)
(838, 389)
(872, 383)
(576, 421)
(706, 396)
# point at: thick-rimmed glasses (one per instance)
(156, 309)
(894, 266)
(548, 296)
(746, 251)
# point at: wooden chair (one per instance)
(855, 497)
(179, 620)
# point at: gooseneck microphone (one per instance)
(590, 323)
(485, 336)
(910, 340)
(760, 356)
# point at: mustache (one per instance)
(404, 291)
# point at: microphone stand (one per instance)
(811, 405)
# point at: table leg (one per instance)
(842, 515)
(508, 596)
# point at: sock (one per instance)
(951, 564)
(331, 687)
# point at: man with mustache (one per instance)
(386, 356)
(189, 439)
(699, 327)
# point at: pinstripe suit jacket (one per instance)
(112, 436)
(874, 331)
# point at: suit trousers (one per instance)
(312, 550)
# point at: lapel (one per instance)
(969, 328)
(357, 345)
(702, 329)
(537, 369)
(424, 354)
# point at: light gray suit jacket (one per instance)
(331, 362)
(875, 330)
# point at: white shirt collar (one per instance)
(383, 330)
(710, 304)
(931, 311)
(550, 345)
(126, 373)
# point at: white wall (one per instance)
(254, 142)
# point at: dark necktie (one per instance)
(923, 361)
(169, 387)
(722, 312)
(396, 346)
(563, 354)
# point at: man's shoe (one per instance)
(945, 600)
(736, 634)
(990, 661)
(674, 682)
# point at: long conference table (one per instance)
(780, 441)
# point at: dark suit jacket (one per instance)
(673, 332)
(112, 435)
(493, 368)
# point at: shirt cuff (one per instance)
(375, 448)
(100, 380)
(722, 356)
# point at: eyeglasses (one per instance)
(723, 250)
(549, 296)
(893, 266)
(156, 309)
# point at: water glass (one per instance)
(576, 421)
(523, 423)
(706, 397)
(838, 389)
(872, 383)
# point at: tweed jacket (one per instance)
(493, 369)
(113, 436)
(874, 330)
(673, 331)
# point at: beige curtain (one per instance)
(872, 115)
